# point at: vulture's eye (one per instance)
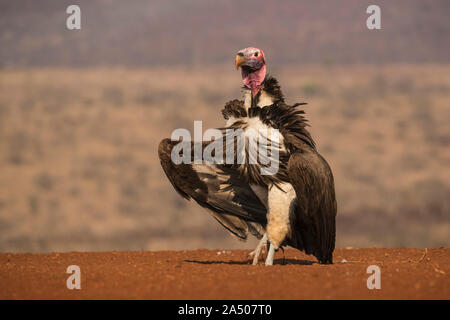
(256, 54)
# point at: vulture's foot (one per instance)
(255, 253)
(270, 255)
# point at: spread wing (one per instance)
(313, 222)
(218, 188)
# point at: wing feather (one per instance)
(218, 188)
(313, 221)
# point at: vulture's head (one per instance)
(253, 68)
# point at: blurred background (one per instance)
(82, 113)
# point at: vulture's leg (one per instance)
(270, 255)
(255, 253)
(278, 217)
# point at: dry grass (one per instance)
(79, 167)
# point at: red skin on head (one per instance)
(254, 79)
(251, 76)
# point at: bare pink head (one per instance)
(253, 68)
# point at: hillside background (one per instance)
(82, 113)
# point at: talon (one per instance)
(256, 253)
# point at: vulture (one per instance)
(284, 197)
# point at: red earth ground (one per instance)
(217, 274)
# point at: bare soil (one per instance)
(217, 274)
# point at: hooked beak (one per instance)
(240, 60)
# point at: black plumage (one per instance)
(225, 189)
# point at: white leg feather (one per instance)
(279, 206)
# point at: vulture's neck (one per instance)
(269, 94)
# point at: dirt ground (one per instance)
(216, 274)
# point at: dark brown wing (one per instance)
(230, 199)
(313, 222)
